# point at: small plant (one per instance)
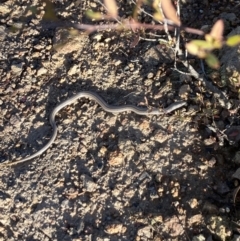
(166, 18)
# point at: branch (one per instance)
(125, 24)
(133, 25)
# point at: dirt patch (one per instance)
(106, 177)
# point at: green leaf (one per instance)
(216, 43)
(94, 15)
(233, 40)
(196, 50)
(203, 44)
(158, 16)
(212, 61)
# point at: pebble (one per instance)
(73, 70)
(236, 237)
(115, 228)
(145, 232)
(118, 62)
(88, 183)
(236, 183)
(38, 47)
(227, 210)
(2, 32)
(236, 174)
(17, 68)
(41, 71)
(193, 203)
(158, 177)
(36, 54)
(65, 204)
(160, 189)
(175, 192)
(150, 75)
(115, 158)
(199, 237)
(15, 120)
(212, 162)
(93, 5)
(222, 210)
(184, 91)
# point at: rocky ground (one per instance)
(112, 177)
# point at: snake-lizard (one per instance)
(105, 106)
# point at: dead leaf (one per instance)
(217, 30)
(170, 11)
(212, 61)
(111, 8)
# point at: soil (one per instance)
(108, 177)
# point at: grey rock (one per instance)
(228, 16)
